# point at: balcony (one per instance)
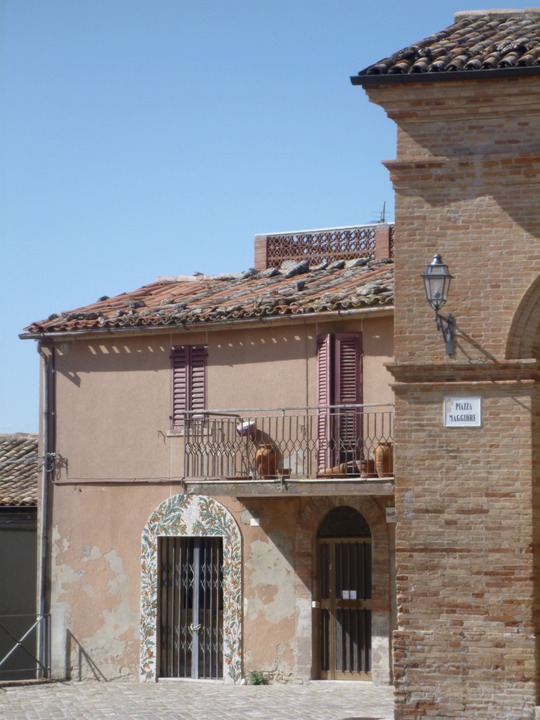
(307, 450)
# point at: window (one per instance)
(338, 383)
(189, 363)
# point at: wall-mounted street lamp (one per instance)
(436, 284)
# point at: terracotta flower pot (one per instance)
(266, 460)
(384, 459)
(367, 468)
(336, 471)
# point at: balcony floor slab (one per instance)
(281, 487)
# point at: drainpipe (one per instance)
(47, 353)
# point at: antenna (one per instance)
(382, 217)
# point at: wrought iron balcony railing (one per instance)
(302, 443)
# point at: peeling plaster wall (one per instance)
(269, 588)
(113, 404)
(95, 578)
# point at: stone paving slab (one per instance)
(190, 700)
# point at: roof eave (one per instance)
(378, 311)
(396, 78)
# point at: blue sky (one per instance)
(141, 138)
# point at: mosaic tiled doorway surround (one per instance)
(193, 516)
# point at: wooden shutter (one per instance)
(348, 391)
(324, 398)
(338, 383)
(179, 384)
(347, 386)
(199, 361)
(188, 389)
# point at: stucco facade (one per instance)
(119, 486)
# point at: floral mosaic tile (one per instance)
(192, 516)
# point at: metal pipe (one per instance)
(47, 446)
(241, 412)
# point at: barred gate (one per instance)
(190, 602)
(345, 621)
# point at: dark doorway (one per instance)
(18, 562)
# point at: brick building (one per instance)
(466, 103)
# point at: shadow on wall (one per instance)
(524, 336)
(76, 359)
(79, 664)
(468, 167)
(471, 349)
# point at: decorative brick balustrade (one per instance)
(373, 242)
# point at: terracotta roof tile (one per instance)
(477, 41)
(18, 469)
(295, 289)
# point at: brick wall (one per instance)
(467, 182)
(466, 177)
(464, 555)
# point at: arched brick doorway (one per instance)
(311, 517)
(342, 622)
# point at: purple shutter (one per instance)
(188, 364)
(348, 391)
(199, 362)
(338, 383)
(347, 369)
(179, 384)
(324, 390)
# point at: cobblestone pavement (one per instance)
(195, 701)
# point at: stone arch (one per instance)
(524, 336)
(306, 531)
(193, 516)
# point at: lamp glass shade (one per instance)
(436, 282)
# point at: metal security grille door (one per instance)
(191, 607)
(344, 632)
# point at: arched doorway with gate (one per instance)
(344, 596)
(191, 591)
(344, 590)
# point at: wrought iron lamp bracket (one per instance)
(446, 326)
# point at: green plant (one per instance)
(257, 677)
